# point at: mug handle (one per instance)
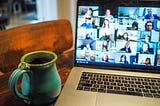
(14, 79)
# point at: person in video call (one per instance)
(105, 45)
(105, 57)
(88, 19)
(124, 36)
(149, 26)
(151, 44)
(158, 60)
(106, 24)
(94, 24)
(151, 16)
(126, 48)
(88, 37)
(105, 37)
(148, 40)
(148, 61)
(147, 45)
(89, 13)
(123, 59)
(87, 23)
(146, 49)
(135, 25)
(109, 16)
(87, 50)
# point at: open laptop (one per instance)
(115, 65)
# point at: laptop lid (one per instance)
(118, 35)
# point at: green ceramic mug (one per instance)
(41, 83)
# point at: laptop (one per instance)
(114, 64)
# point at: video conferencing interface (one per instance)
(132, 38)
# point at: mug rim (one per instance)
(40, 51)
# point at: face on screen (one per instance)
(131, 37)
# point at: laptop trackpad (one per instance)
(107, 99)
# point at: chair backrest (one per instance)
(53, 35)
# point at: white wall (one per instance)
(67, 10)
(47, 10)
(73, 13)
(57, 9)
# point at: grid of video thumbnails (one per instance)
(130, 38)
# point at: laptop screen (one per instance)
(129, 38)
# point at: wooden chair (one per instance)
(53, 35)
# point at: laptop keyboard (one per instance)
(119, 84)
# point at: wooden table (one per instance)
(64, 65)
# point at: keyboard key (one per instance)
(153, 80)
(131, 82)
(94, 89)
(111, 80)
(118, 81)
(101, 90)
(145, 83)
(140, 86)
(151, 83)
(103, 86)
(84, 77)
(153, 91)
(84, 81)
(93, 82)
(119, 84)
(123, 88)
(87, 88)
(109, 87)
(138, 90)
(148, 87)
(86, 84)
(106, 83)
(156, 95)
(80, 88)
(113, 83)
(100, 82)
(148, 95)
(127, 85)
(96, 86)
(133, 86)
(137, 82)
(145, 90)
(155, 87)
(117, 88)
(131, 89)
(124, 81)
